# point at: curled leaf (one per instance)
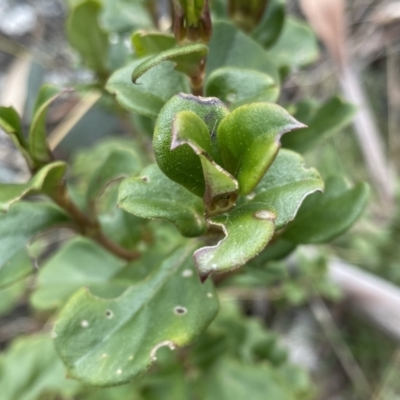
(247, 229)
(249, 140)
(182, 164)
(220, 186)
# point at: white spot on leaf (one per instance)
(264, 214)
(187, 273)
(119, 371)
(153, 351)
(209, 295)
(53, 335)
(84, 323)
(104, 355)
(109, 314)
(130, 358)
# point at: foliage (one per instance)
(218, 198)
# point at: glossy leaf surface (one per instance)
(332, 116)
(45, 181)
(152, 91)
(286, 184)
(229, 47)
(87, 264)
(249, 140)
(169, 309)
(322, 217)
(220, 186)
(182, 164)
(247, 230)
(153, 195)
(187, 59)
(238, 86)
(87, 36)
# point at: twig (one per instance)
(91, 228)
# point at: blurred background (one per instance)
(348, 335)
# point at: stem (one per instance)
(90, 227)
(197, 79)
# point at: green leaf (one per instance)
(45, 181)
(38, 147)
(147, 43)
(238, 86)
(322, 217)
(22, 222)
(247, 230)
(10, 297)
(331, 117)
(231, 380)
(170, 308)
(220, 186)
(30, 369)
(286, 184)
(229, 47)
(80, 262)
(120, 163)
(17, 268)
(249, 140)
(10, 122)
(187, 59)
(182, 164)
(296, 47)
(154, 89)
(153, 195)
(125, 16)
(87, 36)
(270, 28)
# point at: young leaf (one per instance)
(331, 117)
(322, 217)
(187, 59)
(153, 195)
(38, 147)
(120, 163)
(296, 46)
(171, 308)
(15, 232)
(182, 164)
(10, 122)
(148, 43)
(270, 28)
(30, 369)
(286, 184)
(247, 229)
(86, 35)
(238, 86)
(45, 181)
(87, 264)
(229, 47)
(155, 88)
(220, 186)
(249, 140)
